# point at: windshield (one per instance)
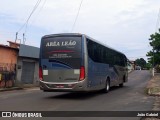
(63, 49)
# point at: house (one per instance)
(8, 61)
(19, 65)
(8, 55)
(131, 65)
(27, 66)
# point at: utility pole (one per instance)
(16, 36)
(157, 25)
(24, 39)
(153, 63)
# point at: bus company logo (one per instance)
(6, 114)
(63, 43)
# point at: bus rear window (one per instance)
(63, 49)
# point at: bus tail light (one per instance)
(40, 73)
(82, 73)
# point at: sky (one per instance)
(125, 25)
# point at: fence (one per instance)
(7, 75)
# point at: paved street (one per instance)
(129, 98)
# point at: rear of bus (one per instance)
(62, 65)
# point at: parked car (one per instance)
(138, 67)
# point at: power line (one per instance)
(77, 16)
(43, 4)
(158, 20)
(26, 23)
(36, 6)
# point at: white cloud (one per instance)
(122, 24)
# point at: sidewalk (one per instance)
(153, 86)
(9, 89)
(20, 87)
(153, 89)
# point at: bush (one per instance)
(157, 68)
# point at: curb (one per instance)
(130, 71)
(153, 89)
(153, 93)
(10, 89)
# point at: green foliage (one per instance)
(148, 66)
(141, 62)
(154, 55)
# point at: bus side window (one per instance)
(90, 47)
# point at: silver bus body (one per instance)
(78, 66)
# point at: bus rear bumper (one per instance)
(79, 86)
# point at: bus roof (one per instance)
(62, 34)
(79, 34)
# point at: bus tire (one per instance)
(121, 85)
(107, 86)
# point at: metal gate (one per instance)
(7, 75)
(28, 69)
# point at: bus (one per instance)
(76, 62)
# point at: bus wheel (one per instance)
(121, 85)
(107, 88)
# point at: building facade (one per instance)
(8, 61)
(19, 65)
(27, 66)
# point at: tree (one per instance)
(154, 54)
(148, 66)
(141, 62)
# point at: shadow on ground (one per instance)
(82, 95)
